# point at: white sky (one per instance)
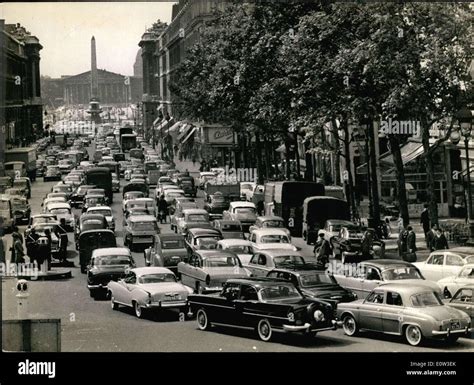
(65, 31)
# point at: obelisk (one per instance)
(94, 108)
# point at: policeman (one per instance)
(31, 244)
(63, 240)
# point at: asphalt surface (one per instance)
(90, 325)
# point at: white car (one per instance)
(62, 210)
(241, 247)
(159, 191)
(131, 195)
(148, 288)
(450, 285)
(49, 201)
(204, 177)
(257, 189)
(245, 212)
(246, 187)
(171, 194)
(270, 239)
(106, 212)
(445, 263)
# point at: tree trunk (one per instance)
(287, 159)
(308, 173)
(258, 146)
(373, 176)
(349, 182)
(430, 177)
(268, 157)
(276, 157)
(297, 157)
(400, 175)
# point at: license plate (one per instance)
(455, 325)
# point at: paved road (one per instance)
(92, 326)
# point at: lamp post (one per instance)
(465, 119)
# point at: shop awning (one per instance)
(156, 121)
(174, 127)
(189, 135)
(185, 129)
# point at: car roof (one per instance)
(215, 253)
(387, 263)
(305, 269)
(96, 208)
(139, 271)
(234, 242)
(279, 252)
(403, 288)
(264, 218)
(258, 281)
(59, 205)
(201, 231)
(111, 251)
(142, 218)
(267, 231)
(242, 204)
(340, 222)
(194, 211)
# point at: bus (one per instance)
(128, 141)
(285, 199)
(101, 177)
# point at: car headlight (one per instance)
(318, 316)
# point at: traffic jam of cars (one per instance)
(230, 258)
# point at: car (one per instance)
(201, 239)
(149, 288)
(52, 173)
(159, 191)
(93, 201)
(256, 194)
(216, 204)
(167, 251)
(171, 194)
(49, 201)
(332, 228)
(77, 197)
(445, 263)
(96, 191)
(196, 217)
(177, 212)
(264, 305)
(204, 177)
(148, 204)
(131, 195)
(40, 229)
(74, 180)
(65, 165)
(266, 260)
(314, 283)
(89, 222)
(107, 264)
(370, 274)
(452, 284)
(140, 230)
(270, 222)
(246, 187)
(207, 270)
(186, 183)
(115, 183)
(245, 212)
(348, 240)
(24, 184)
(106, 211)
(229, 229)
(42, 218)
(267, 239)
(407, 310)
(21, 209)
(139, 185)
(64, 188)
(241, 247)
(63, 210)
(463, 299)
(91, 240)
(15, 191)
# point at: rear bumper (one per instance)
(448, 332)
(166, 305)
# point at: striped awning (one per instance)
(189, 135)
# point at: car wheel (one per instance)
(349, 325)
(138, 309)
(113, 304)
(413, 335)
(203, 320)
(264, 330)
(92, 293)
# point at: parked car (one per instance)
(229, 229)
(63, 210)
(91, 240)
(245, 212)
(269, 222)
(452, 284)
(106, 212)
(371, 274)
(149, 288)
(264, 305)
(202, 239)
(196, 217)
(241, 247)
(314, 283)
(445, 263)
(266, 260)
(89, 222)
(463, 300)
(108, 264)
(167, 251)
(267, 239)
(207, 270)
(140, 230)
(52, 173)
(407, 310)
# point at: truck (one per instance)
(128, 141)
(27, 155)
(101, 177)
(228, 190)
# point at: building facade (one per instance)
(21, 109)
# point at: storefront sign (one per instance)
(220, 135)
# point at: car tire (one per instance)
(203, 320)
(92, 293)
(114, 305)
(83, 269)
(139, 311)
(264, 330)
(452, 338)
(413, 335)
(349, 325)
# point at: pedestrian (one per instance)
(31, 244)
(425, 222)
(15, 231)
(400, 224)
(194, 160)
(410, 255)
(47, 248)
(402, 242)
(367, 245)
(430, 237)
(61, 233)
(440, 242)
(18, 254)
(322, 250)
(162, 209)
(260, 207)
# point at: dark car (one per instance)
(77, 197)
(216, 204)
(93, 239)
(264, 305)
(108, 264)
(89, 222)
(21, 209)
(201, 238)
(229, 229)
(348, 240)
(314, 283)
(187, 184)
(167, 251)
(136, 187)
(93, 201)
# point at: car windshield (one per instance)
(274, 239)
(197, 218)
(92, 201)
(467, 272)
(144, 226)
(53, 169)
(398, 273)
(246, 186)
(244, 210)
(20, 183)
(173, 244)
(279, 292)
(314, 279)
(18, 202)
(157, 278)
(273, 223)
(92, 224)
(224, 261)
(111, 260)
(218, 199)
(283, 260)
(133, 195)
(63, 188)
(233, 228)
(60, 211)
(105, 213)
(426, 299)
(39, 220)
(240, 249)
(207, 243)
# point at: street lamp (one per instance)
(465, 119)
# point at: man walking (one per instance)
(410, 256)
(31, 245)
(425, 222)
(63, 240)
(440, 242)
(322, 250)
